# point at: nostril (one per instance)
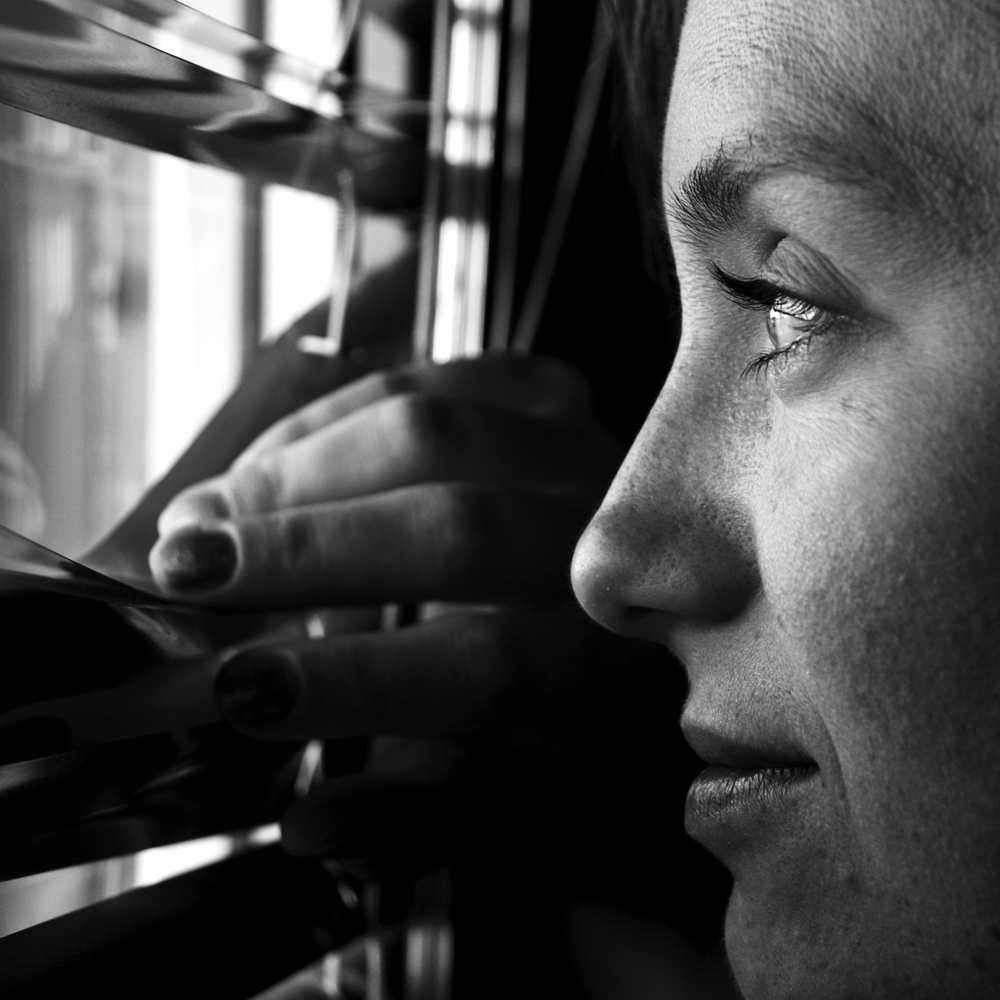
(635, 615)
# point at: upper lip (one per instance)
(752, 748)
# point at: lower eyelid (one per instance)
(764, 364)
(762, 294)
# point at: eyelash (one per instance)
(759, 294)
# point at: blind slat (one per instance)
(58, 64)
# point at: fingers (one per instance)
(402, 816)
(420, 680)
(459, 674)
(540, 387)
(385, 495)
(401, 441)
(375, 827)
(489, 675)
(442, 541)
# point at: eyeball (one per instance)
(790, 319)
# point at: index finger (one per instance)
(536, 386)
(461, 674)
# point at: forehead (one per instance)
(894, 80)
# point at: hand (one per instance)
(280, 379)
(467, 481)
(462, 482)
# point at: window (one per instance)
(133, 286)
(172, 196)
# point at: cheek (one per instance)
(877, 539)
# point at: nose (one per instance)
(672, 543)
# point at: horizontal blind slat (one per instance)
(64, 66)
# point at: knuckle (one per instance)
(565, 388)
(296, 544)
(400, 415)
(256, 484)
(385, 384)
(421, 426)
(556, 369)
(292, 428)
(397, 381)
(487, 649)
(463, 518)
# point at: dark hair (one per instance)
(646, 35)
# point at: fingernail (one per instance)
(258, 686)
(196, 558)
(33, 738)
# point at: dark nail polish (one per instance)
(258, 687)
(194, 558)
(33, 738)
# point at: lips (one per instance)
(756, 748)
(753, 782)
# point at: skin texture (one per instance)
(818, 542)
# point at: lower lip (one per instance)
(728, 805)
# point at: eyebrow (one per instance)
(712, 198)
(902, 175)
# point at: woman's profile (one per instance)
(808, 519)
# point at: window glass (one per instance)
(133, 286)
(307, 29)
(121, 311)
(229, 11)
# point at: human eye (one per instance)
(792, 322)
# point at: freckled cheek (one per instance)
(864, 542)
(819, 545)
(824, 508)
(886, 526)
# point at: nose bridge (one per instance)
(672, 540)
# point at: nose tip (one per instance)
(644, 583)
(597, 579)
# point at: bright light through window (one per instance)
(194, 302)
(229, 11)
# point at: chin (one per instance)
(788, 953)
(806, 924)
(757, 952)
(835, 948)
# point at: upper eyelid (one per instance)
(760, 293)
(750, 293)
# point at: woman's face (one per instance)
(810, 517)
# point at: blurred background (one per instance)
(134, 285)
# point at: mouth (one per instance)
(751, 785)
